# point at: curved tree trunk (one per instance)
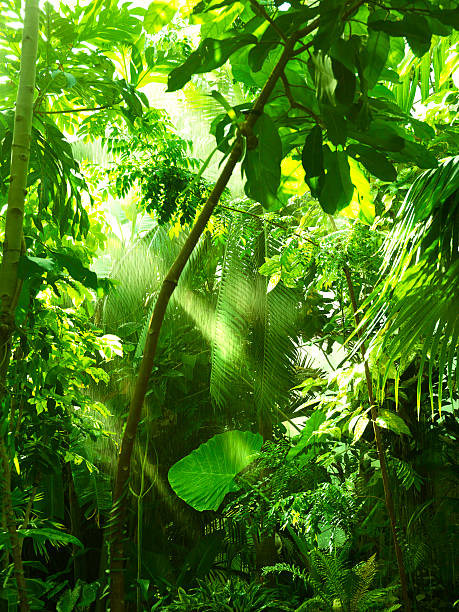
(167, 288)
(12, 247)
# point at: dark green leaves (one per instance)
(331, 25)
(210, 54)
(414, 28)
(374, 162)
(335, 124)
(31, 266)
(262, 164)
(377, 49)
(312, 156)
(337, 189)
(347, 82)
(381, 135)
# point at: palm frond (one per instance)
(415, 302)
(254, 348)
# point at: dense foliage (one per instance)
(211, 402)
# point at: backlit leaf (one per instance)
(207, 474)
(210, 54)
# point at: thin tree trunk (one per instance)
(167, 288)
(15, 543)
(378, 440)
(12, 247)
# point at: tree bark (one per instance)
(12, 247)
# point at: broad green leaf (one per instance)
(77, 270)
(450, 17)
(312, 154)
(374, 162)
(158, 15)
(335, 124)
(30, 266)
(347, 82)
(419, 154)
(390, 420)
(207, 474)
(377, 49)
(359, 428)
(380, 134)
(330, 25)
(262, 165)
(337, 189)
(211, 54)
(414, 28)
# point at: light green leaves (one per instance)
(211, 54)
(158, 15)
(307, 436)
(262, 164)
(390, 420)
(207, 474)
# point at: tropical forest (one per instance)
(229, 305)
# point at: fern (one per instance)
(406, 474)
(42, 536)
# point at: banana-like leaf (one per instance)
(207, 474)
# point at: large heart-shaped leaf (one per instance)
(207, 474)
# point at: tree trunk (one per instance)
(378, 440)
(12, 247)
(167, 288)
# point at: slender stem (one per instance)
(8, 511)
(257, 8)
(378, 439)
(82, 109)
(12, 249)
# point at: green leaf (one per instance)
(77, 270)
(31, 266)
(450, 17)
(207, 474)
(374, 162)
(331, 25)
(210, 54)
(312, 155)
(347, 82)
(377, 48)
(390, 420)
(307, 433)
(158, 15)
(335, 124)
(69, 599)
(419, 154)
(337, 189)
(359, 428)
(380, 134)
(414, 28)
(262, 164)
